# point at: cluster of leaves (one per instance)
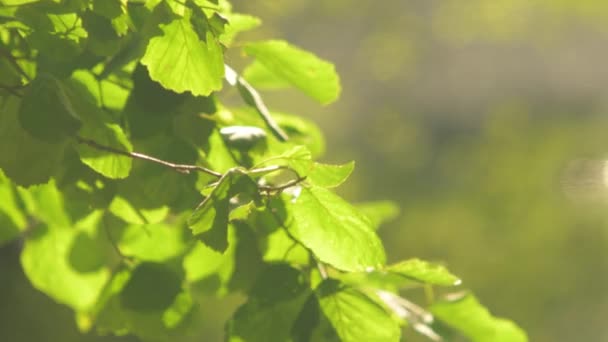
(133, 186)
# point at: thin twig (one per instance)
(254, 99)
(269, 188)
(183, 168)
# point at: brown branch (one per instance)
(183, 168)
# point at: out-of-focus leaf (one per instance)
(314, 76)
(24, 159)
(180, 61)
(152, 242)
(12, 218)
(333, 230)
(46, 111)
(259, 76)
(274, 303)
(238, 23)
(67, 263)
(121, 208)
(468, 316)
(379, 212)
(148, 302)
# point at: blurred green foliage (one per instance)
(467, 114)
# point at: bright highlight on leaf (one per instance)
(314, 76)
(181, 61)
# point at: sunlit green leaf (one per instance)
(121, 208)
(259, 76)
(314, 76)
(330, 176)
(353, 316)
(333, 230)
(180, 61)
(151, 242)
(99, 128)
(475, 321)
(67, 263)
(425, 272)
(12, 218)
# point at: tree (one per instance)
(132, 184)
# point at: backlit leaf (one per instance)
(333, 230)
(330, 176)
(468, 316)
(314, 76)
(67, 263)
(353, 316)
(180, 61)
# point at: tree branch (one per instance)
(183, 168)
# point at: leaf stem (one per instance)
(253, 98)
(182, 168)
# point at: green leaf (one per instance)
(152, 242)
(148, 302)
(181, 62)
(274, 303)
(334, 231)
(330, 176)
(152, 287)
(302, 132)
(46, 112)
(12, 219)
(234, 270)
(67, 263)
(425, 272)
(259, 76)
(24, 159)
(353, 316)
(402, 274)
(297, 158)
(468, 316)
(379, 212)
(238, 23)
(314, 76)
(99, 128)
(123, 209)
(209, 221)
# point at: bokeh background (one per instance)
(485, 120)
